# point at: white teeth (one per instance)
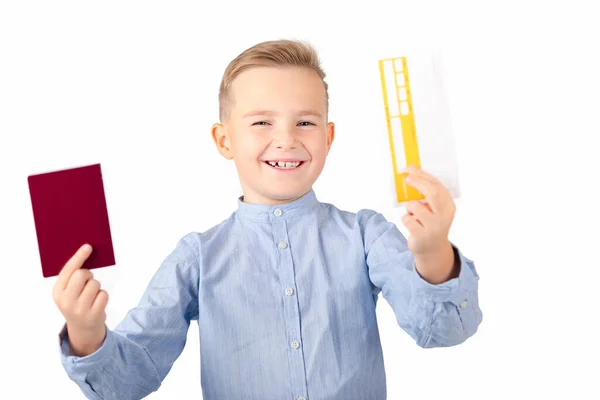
(284, 164)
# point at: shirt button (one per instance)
(282, 245)
(464, 304)
(289, 291)
(295, 344)
(278, 212)
(301, 398)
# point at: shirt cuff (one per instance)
(457, 290)
(91, 361)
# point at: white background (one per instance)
(133, 85)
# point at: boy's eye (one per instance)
(303, 123)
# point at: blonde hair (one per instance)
(275, 53)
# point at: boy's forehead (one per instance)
(264, 87)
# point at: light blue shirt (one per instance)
(285, 298)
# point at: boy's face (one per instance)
(277, 132)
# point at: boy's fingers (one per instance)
(416, 171)
(72, 265)
(421, 212)
(88, 293)
(75, 285)
(426, 187)
(412, 223)
(100, 302)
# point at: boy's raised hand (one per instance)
(428, 221)
(82, 303)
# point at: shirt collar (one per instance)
(265, 212)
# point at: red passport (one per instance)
(69, 210)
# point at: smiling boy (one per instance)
(285, 289)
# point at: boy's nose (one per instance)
(285, 139)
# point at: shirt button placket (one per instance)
(291, 312)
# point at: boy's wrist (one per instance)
(84, 343)
(439, 267)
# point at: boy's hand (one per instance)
(80, 300)
(429, 222)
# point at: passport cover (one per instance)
(69, 210)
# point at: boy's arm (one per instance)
(136, 356)
(434, 315)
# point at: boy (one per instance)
(285, 289)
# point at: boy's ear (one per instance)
(221, 139)
(330, 135)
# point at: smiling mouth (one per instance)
(284, 164)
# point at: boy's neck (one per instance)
(267, 210)
(272, 202)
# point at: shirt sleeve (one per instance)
(434, 315)
(137, 355)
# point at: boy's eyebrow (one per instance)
(269, 112)
(314, 113)
(258, 112)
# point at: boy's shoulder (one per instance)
(360, 216)
(214, 232)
